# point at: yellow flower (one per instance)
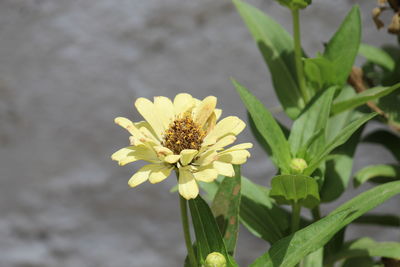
(183, 135)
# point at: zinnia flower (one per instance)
(182, 135)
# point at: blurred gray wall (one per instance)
(67, 68)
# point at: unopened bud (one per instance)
(298, 165)
(215, 259)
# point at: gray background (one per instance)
(67, 68)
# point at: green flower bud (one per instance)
(215, 259)
(295, 4)
(298, 165)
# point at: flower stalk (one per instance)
(298, 55)
(186, 231)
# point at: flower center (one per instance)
(182, 134)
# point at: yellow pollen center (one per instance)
(182, 134)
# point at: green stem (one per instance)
(298, 55)
(295, 216)
(186, 231)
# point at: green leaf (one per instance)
(341, 138)
(267, 127)
(291, 249)
(276, 46)
(314, 259)
(320, 72)
(361, 261)
(365, 247)
(313, 119)
(386, 139)
(377, 56)
(390, 106)
(225, 208)
(379, 219)
(382, 172)
(342, 48)
(338, 166)
(208, 236)
(363, 97)
(259, 213)
(290, 189)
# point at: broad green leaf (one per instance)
(225, 207)
(259, 213)
(363, 97)
(386, 139)
(290, 189)
(365, 247)
(320, 72)
(377, 172)
(390, 106)
(341, 138)
(338, 166)
(313, 119)
(314, 259)
(208, 236)
(276, 46)
(377, 56)
(342, 48)
(291, 249)
(267, 127)
(379, 219)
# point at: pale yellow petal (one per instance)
(224, 141)
(141, 175)
(202, 112)
(162, 151)
(187, 156)
(183, 103)
(228, 126)
(218, 113)
(122, 153)
(172, 158)
(147, 109)
(145, 128)
(234, 157)
(129, 126)
(165, 110)
(187, 185)
(140, 152)
(223, 168)
(240, 147)
(206, 158)
(210, 124)
(207, 174)
(160, 174)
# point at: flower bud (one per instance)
(215, 259)
(298, 165)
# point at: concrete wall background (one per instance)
(67, 68)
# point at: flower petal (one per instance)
(129, 126)
(224, 141)
(187, 156)
(230, 125)
(239, 147)
(172, 158)
(202, 112)
(147, 109)
(223, 168)
(207, 174)
(187, 184)
(234, 157)
(183, 103)
(165, 110)
(206, 158)
(160, 174)
(122, 153)
(140, 152)
(145, 128)
(141, 175)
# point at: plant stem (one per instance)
(316, 213)
(295, 216)
(298, 55)
(186, 231)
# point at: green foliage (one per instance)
(291, 249)
(343, 47)
(291, 189)
(268, 128)
(276, 46)
(377, 56)
(365, 247)
(379, 173)
(295, 4)
(225, 207)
